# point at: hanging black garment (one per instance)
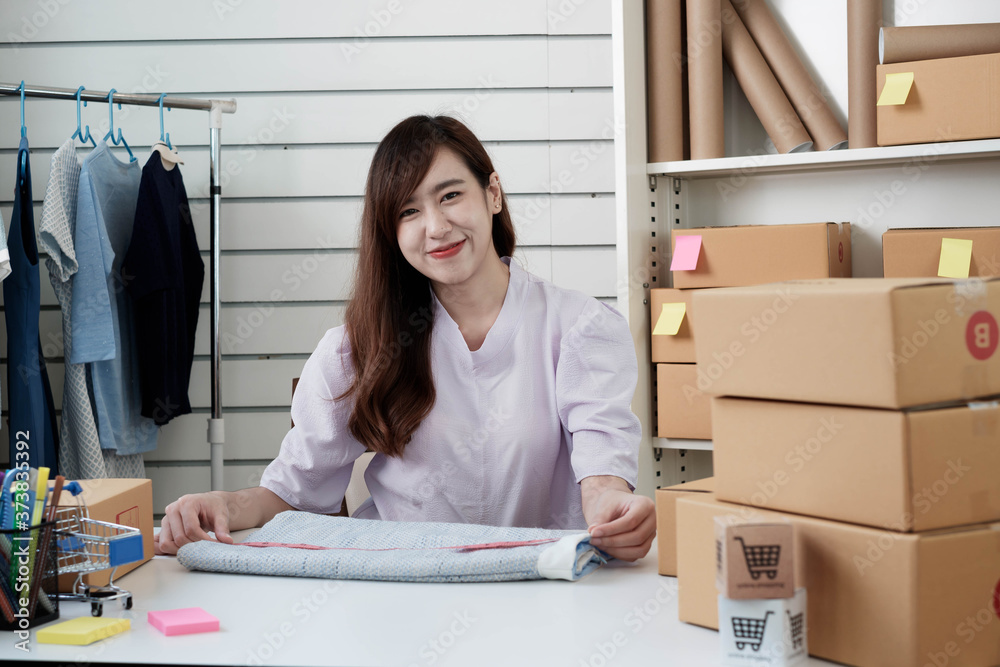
(163, 274)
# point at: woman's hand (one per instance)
(188, 519)
(620, 523)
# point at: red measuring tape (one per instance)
(461, 547)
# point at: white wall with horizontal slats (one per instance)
(317, 85)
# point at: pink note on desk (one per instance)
(686, 251)
(183, 621)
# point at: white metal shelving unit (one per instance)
(926, 185)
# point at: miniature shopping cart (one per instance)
(85, 545)
(750, 630)
(761, 559)
(795, 624)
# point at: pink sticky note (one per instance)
(686, 251)
(183, 621)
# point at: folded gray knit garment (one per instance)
(300, 544)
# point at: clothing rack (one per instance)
(215, 108)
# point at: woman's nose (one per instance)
(437, 223)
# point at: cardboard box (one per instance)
(754, 254)
(916, 253)
(763, 633)
(754, 560)
(678, 348)
(682, 410)
(128, 502)
(900, 470)
(890, 343)
(666, 521)
(951, 99)
(875, 597)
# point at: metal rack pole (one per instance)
(216, 431)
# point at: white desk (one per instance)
(628, 611)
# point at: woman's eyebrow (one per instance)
(443, 185)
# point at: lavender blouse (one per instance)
(543, 403)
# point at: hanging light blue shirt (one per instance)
(102, 319)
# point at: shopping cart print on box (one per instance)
(750, 631)
(86, 545)
(795, 624)
(761, 559)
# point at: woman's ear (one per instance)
(494, 194)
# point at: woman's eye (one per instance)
(451, 195)
(407, 212)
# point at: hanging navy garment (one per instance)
(32, 412)
(164, 273)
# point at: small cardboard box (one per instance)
(128, 502)
(951, 99)
(922, 469)
(875, 597)
(916, 253)
(666, 521)
(754, 254)
(677, 348)
(763, 633)
(682, 410)
(754, 560)
(876, 342)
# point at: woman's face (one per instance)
(445, 229)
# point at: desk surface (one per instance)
(622, 614)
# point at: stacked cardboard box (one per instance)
(715, 257)
(956, 252)
(945, 99)
(868, 404)
(666, 521)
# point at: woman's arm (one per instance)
(190, 517)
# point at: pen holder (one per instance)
(28, 577)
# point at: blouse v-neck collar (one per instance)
(503, 328)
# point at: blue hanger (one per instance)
(167, 140)
(24, 131)
(120, 141)
(79, 134)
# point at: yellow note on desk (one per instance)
(896, 89)
(669, 322)
(956, 258)
(82, 631)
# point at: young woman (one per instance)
(489, 395)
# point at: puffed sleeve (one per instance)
(595, 381)
(314, 466)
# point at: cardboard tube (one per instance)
(802, 91)
(664, 80)
(929, 42)
(761, 88)
(704, 49)
(864, 19)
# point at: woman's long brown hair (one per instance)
(389, 318)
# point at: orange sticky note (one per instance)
(686, 252)
(669, 321)
(956, 258)
(896, 89)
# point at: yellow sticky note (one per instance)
(669, 322)
(82, 631)
(897, 87)
(956, 257)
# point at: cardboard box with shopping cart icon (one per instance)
(763, 633)
(754, 560)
